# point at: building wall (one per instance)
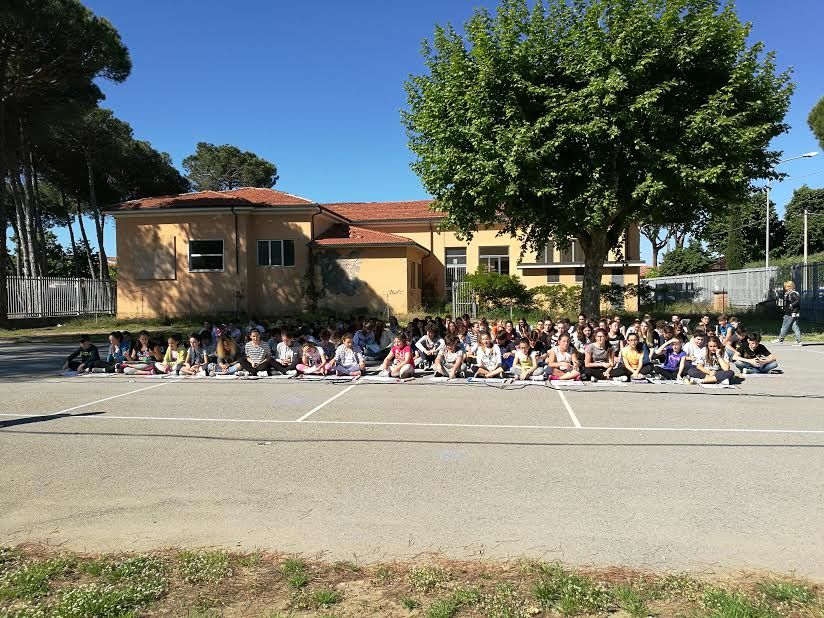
(370, 277)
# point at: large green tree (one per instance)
(816, 121)
(685, 260)
(813, 201)
(738, 231)
(219, 168)
(572, 119)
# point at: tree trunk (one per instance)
(71, 232)
(596, 251)
(22, 240)
(4, 307)
(38, 223)
(85, 237)
(27, 190)
(98, 222)
(655, 250)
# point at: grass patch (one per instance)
(410, 603)
(250, 560)
(504, 602)
(31, 581)
(448, 607)
(787, 592)
(427, 578)
(296, 573)
(570, 594)
(203, 566)
(632, 600)
(721, 603)
(346, 566)
(384, 575)
(325, 597)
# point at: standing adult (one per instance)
(792, 310)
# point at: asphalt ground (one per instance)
(662, 477)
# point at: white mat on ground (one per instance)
(761, 375)
(68, 374)
(382, 379)
(566, 384)
(329, 378)
(608, 383)
(717, 386)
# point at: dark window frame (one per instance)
(222, 255)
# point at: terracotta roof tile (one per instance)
(384, 211)
(246, 196)
(344, 234)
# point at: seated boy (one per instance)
(287, 355)
(753, 357)
(428, 347)
(83, 357)
(449, 362)
(507, 351)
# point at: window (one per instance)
(205, 255)
(276, 252)
(618, 276)
(455, 266)
(494, 259)
(548, 255)
(572, 254)
(579, 275)
(553, 276)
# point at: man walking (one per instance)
(792, 306)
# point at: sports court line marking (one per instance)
(91, 403)
(330, 400)
(266, 421)
(568, 407)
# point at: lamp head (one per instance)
(809, 154)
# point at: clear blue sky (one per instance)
(316, 87)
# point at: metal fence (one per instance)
(746, 288)
(51, 297)
(463, 299)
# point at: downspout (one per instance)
(237, 267)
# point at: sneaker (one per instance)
(620, 379)
(263, 374)
(355, 374)
(686, 380)
(776, 371)
(726, 382)
(291, 372)
(593, 379)
(747, 371)
(798, 344)
(777, 341)
(242, 373)
(384, 374)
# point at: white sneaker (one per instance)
(384, 374)
(798, 344)
(777, 341)
(593, 379)
(686, 380)
(620, 379)
(241, 373)
(292, 372)
(726, 382)
(263, 374)
(747, 371)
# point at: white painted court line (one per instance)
(330, 400)
(568, 407)
(91, 403)
(266, 421)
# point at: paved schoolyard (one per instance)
(670, 477)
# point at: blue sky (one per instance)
(317, 87)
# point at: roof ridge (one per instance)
(299, 197)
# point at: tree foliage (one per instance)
(573, 119)
(816, 121)
(219, 168)
(738, 231)
(813, 201)
(684, 261)
(494, 289)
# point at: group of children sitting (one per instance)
(644, 351)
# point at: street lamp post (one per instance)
(767, 255)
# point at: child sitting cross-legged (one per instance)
(450, 360)
(174, 356)
(143, 356)
(488, 358)
(348, 359)
(398, 364)
(313, 360)
(228, 356)
(525, 363)
(715, 369)
(428, 347)
(196, 361)
(84, 357)
(287, 355)
(562, 361)
(117, 353)
(752, 356)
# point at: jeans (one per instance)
(762, 369)
(790, 321)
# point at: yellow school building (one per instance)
(264, 252)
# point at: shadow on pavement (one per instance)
(41, 418)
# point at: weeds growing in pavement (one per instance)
(427, 578)
(410, 603)
(250, 560)
(104, 600)
(569, 593)
(721, 603)
(297, 576)
(631, 600)
(504, 602)
(324, 597)
(384, 574)
(788, 592)
(203, 566)
(449, 606)
(31, 580)
(344, 566)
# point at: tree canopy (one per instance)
(685, 260)
(219, 168)
(812, 200)
(816, 121)
(573, 119)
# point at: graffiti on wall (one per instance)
(339, 273)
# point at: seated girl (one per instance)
(143, 356)
(313, 360)
(196, 361)
(525, 362)
(398, 363)
(117, 353)
(599, 357)
(635, 362)
(671, 354)
(326, 343)
(450, 360)
(228, 357)
(562, 361)
(348, 360)
(257, 357)
(174, 356)
(488, 358)
(715, 369)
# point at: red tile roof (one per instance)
(343, 234)
(246, 196)
(384, 211)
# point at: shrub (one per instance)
(494, 289)
(563, 299)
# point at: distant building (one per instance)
(254, 250)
